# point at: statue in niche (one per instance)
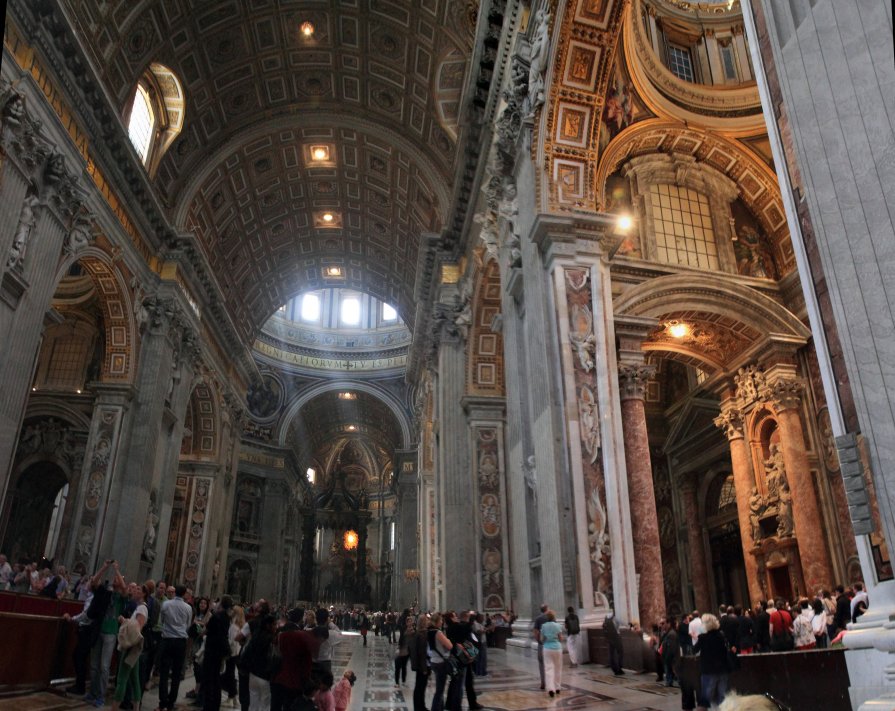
(531, 476)
(756, 508)
(149, 536)
(752, 257)
(540, 56)
(775, 472)
(363, 499)
(785, 523)
(27, 221)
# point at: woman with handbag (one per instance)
(261, 659)
(439, 659)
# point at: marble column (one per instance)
(306, 574)
(406, 540)
(731, 421)
(816, 567)
(270, 555)
(699, 573)
(453, 478)
(644, 520)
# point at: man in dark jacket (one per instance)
(671, 650)
(459, 630)
(762, 628)
(217, 649)
(610, 628)
(843, 610)
(730, 626)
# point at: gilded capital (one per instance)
(731, 421)
(632, 379)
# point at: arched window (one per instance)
(154, 114)
(682, 222)
(141, 125)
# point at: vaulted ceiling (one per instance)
(378, 84)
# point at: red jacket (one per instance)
(297, 649)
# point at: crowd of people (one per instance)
(263, 659)
(770, 626)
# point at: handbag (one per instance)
(465, 652)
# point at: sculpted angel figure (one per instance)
(540, 48)
(27, 221)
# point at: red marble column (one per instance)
(644, 520)
(731, 421)
(806, 515)
(699, 573)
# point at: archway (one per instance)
(36, 508)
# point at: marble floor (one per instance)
(511, 685)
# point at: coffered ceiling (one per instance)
(378, 84)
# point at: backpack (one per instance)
(572, 625)
(465, 652)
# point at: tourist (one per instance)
(573, 629)
(830, 611)
(843, 610)
(779, 627)
(259, 662)
(714, 667)
(730, 627)
(440, 647)
(176, 617)
(329, 636)
(536, 633)
(614, 640)
(745, 631)
(237, 620)
(551, 634)
(402, 655)
(363, 624)
(88, 622)
(696, 627)
(802, 627)
(324, 699)
(481, 629)
(860, 602)
(342, 690)
(104, 647)
(418, 647)
(216, 650)
(297, 648)
(6, 573)
(196, 634)
(130, 645)
(819, 624)
(655, 643)
(762, 627)
(459, 631)
(671, 650)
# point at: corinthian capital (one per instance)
(632, 379)
(786, 394)
(731, 421)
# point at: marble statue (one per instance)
(775, 471)
(540, 56)
(785, 523)
(756, 507)
(27, 221)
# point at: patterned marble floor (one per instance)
(511, 685)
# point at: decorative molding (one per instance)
(633, 380)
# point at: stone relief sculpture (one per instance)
(589, 414)
(752, 257)
(597, 536)
(581, 334)
(540, 51)
(756, 508)
(80, 234)
(785, 523)
(775, 472)
(27, 221)
(751, 385)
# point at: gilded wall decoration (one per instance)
(487, 453)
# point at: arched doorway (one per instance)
(725, 544)
(35, 511)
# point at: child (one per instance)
(324, 696)
(342, 692)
